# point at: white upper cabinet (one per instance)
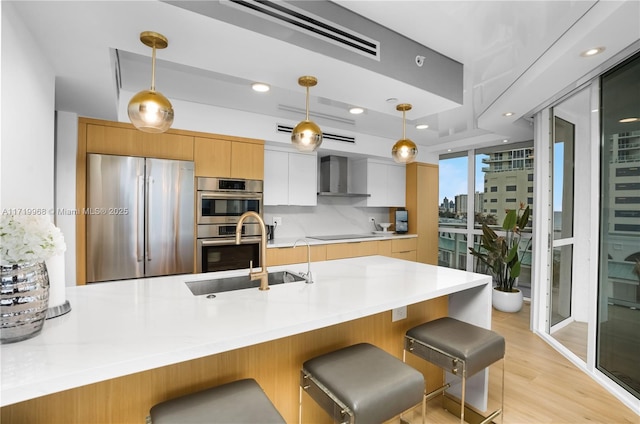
(290, 178)
(384, 181)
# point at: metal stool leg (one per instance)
(424, 396)
(464, 386)
(502, 397)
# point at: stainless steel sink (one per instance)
(219, 285)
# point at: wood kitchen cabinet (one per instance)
(290, 178)
(214, 155)
(351, 249)
(225, 157)
(123, 141)
(289, 255)
(422, 205)
(405, 248)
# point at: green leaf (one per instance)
(524, 219)
(515, 270)
(513, 253)
(510, 220)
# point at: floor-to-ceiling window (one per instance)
(477, 187)
(618, 332)
(453, 195)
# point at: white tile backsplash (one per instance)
(332, 215)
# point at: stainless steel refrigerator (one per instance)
(140, 217)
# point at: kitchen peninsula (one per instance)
(128, 345)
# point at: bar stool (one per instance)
(457, 347)
(361, 383)
(240, 402)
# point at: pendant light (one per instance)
(307, 136)
(150, 111)
(405, 150)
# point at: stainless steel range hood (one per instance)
(334, 177)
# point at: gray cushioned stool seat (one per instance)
(477, 346)
(241, 402)
(373, 384)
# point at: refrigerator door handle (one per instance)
(139, 217)
(148, 200)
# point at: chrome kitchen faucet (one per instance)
(308, 278)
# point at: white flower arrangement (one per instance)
(28, 239)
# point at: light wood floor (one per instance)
(541, 386)
(574, 338)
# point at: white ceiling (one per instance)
(516, 55)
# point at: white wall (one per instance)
(65, 197)
(28, 103)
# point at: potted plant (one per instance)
(500, 255)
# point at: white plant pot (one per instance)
(507, 301)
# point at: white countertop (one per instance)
(289, 241)
(123, 327)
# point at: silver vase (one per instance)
(24, 299)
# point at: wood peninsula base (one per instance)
(275, 365)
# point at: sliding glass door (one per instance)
(618, 333)
(562, 218)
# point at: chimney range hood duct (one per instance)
(334, 172)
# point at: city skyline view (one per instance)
(453, 177)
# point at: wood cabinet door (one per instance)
(404, 245)
(114, 141)
(211, 157)
(289, 255)
(167, 146)
(384, 247)
(411, 255)
(351, 250)
(247, 161)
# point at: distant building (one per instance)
(508, 180)
(624, 184)
(478, 206)
(461, 204)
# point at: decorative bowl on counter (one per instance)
(385, 226)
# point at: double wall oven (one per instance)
(220, 203)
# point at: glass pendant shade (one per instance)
(307, 136)
(150, 111)
(404, 150)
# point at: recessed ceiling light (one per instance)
(260, 87)
(505, 141)
(448, 150)
(625, 120)
(507, 114)
(356, 110)
(392, 100)
(592, 52)
(422, 126)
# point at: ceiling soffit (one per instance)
(439, 75)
